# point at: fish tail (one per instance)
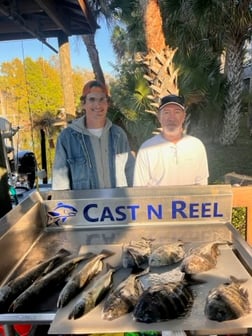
(60, 254)
(13, 307)
(78, 310)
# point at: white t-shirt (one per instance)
(162, 163)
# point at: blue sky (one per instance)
(79, 58)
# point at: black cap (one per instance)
(172, 99)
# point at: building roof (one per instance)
(41, 19)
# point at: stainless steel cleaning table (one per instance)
(91, 220)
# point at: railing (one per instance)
(242, 197)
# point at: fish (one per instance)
(136, 254)
(163, 302)
(45, 284)
(15, 287)
(168, 254)
(123, 298)
(81, 278)
(228, 301)
(92, 297)
(201, 259)
(61, 213)
(151, 279)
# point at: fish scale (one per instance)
(136, 254)
(90, 298)
(163, 302)
(15, 287)
(123, 298)
(81, 278)
(202, 258)
(45, 284)
(167, 254)
(227, 301)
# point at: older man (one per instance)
(171, 157)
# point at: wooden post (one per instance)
(43, 154)
(66, 75)
(242, 197)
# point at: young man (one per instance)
(171, 157)
(93, 153)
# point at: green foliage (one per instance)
(129, 94)
(43, 86)
(32, 95)
(201, 31)
(128, 37)
(239, 220)
(227, 159)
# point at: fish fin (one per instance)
(107, 253)
(237, 281)
(108, 267)
(64, 251)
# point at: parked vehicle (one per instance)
(26, 168)
(21, 165)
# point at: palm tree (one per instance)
(93, 54)
(141, 39)
(99, 8)
(238, 24)
(223, 27)
(160, 69)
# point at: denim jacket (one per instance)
(75, 165)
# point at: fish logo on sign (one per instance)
(61, 213)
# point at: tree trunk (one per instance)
(160, 71)
(5, 200)
(66, 76)
(232, 104)
(93, 54)
(154, 34)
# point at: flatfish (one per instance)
(81, 278)
(163, 302)
(123, 298)
(15, 287)
(92, 297)
(167, 254)
(136, 254)
(228, 301)
(201, 259)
